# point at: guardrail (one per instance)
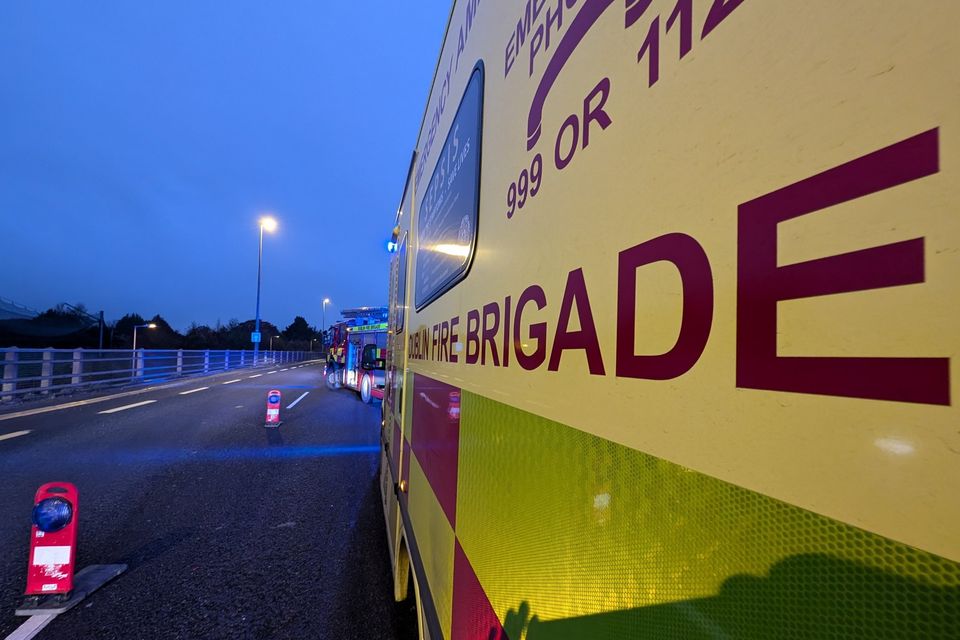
(45, 371)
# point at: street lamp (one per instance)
(326, 301)
(271, 341)
(149, 325)
(269, 224)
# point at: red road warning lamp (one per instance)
(273, 409)
(53, 540)
(52, 587)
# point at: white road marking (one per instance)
(15, 434)
(284, 369)
(269, 372)
(81, 403)
(186, 393)
(294, 403)
(128, 406)
(231, 381)
(256, 376)
(31, 627)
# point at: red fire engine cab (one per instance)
(357, 356)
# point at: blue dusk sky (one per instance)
(141, 141)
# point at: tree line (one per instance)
(71, 327)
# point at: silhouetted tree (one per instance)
(236, 335)
(122, 334)
(299, 330)
(162, 337)
(200, 336)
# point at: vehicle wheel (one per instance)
(332, 380)
(365, 389)
(406, 613)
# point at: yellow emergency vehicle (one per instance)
(675, 311)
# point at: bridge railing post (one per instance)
(206, 361)
(76, 373)
(10, 363)
(46, 370)
(179, 362)
(226, 359)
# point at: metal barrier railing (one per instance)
(45, 371)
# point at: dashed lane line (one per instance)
(270, 372)
(15, 434)
(186, 393)
(294, 403)
(128, 406)
(82, 403)
(285, 369)
(256, 376)
(231, 381)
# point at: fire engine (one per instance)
(357, 352)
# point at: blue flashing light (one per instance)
(52, 514)
(391, 246)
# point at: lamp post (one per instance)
(148, 325)
(269, 224)
(273, 357)
(326, 301)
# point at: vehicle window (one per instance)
(447, 217)
(402, 285)
(371, 357)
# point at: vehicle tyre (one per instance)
(366, 388)
(332, 380)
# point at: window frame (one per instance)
(463, 271)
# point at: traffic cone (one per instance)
(273, 409)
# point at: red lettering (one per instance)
(535, 43)
(445, 341)
(691, 261)
(561, 159)
(538, 330)
(596, 113)
(586, 337)
(761, 283)
(454, 337)
(490, 333)
(508, 56)
(506, 331)
(473, 336)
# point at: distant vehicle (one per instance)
(357, 355)
(674, 312)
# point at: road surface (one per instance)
(230, 530)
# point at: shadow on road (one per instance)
(274, 439)
(365, 597)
